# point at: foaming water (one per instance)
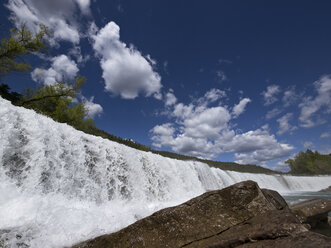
(60, 186)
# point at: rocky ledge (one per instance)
(326, 190)
(314, 212)
(242, 215)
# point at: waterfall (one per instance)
(59, 186)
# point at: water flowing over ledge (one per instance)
(59, 186)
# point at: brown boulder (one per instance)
(312, 212)
(241, 215)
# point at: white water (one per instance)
(59, 186)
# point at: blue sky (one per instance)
(244, 81)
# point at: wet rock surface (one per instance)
(326, 190)
(312, 212)
(241, 215)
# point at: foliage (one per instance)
(14, 97)
(56, 101)
(310, 162)
(20, 42)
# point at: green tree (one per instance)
(310, 162)
(20, 42)
(5, 93)
(57, 102)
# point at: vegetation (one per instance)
(5, 93)
(57, 100)
(310, 163)
(20, 42)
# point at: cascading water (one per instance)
(59, 186)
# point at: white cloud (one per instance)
(94, 109)
(290, 97)
(58, 16)
(270, 94)
(125, 71)
(163, 135)
(62, 68)
(273, 113)
(213, 95)
(284, 125)
(77, 53)
(170, 98)
(195, 128)
(311, 105)
(256, 140)
(240, 107)
(281, 166)
(205, 131)
(263, 155)
(206, 123)
(326, 135)
(84, 6)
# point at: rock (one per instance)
(275, 199)
(302, 240)
(241, 215)
(326, 190)
(313, 212)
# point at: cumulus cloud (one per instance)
(311, 105)
(263, 155)
(163, 135)
(270, 94)
(62, 68)
(56, 15)
(202, 129)
(249, 141)
(94, 109)
(170, 98)
(213, 95)
(206, 123)
(284, 125)
(240, 107)
(126, 72)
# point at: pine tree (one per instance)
(20, 42)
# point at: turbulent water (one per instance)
(59, 186)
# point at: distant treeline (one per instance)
(310, 163)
